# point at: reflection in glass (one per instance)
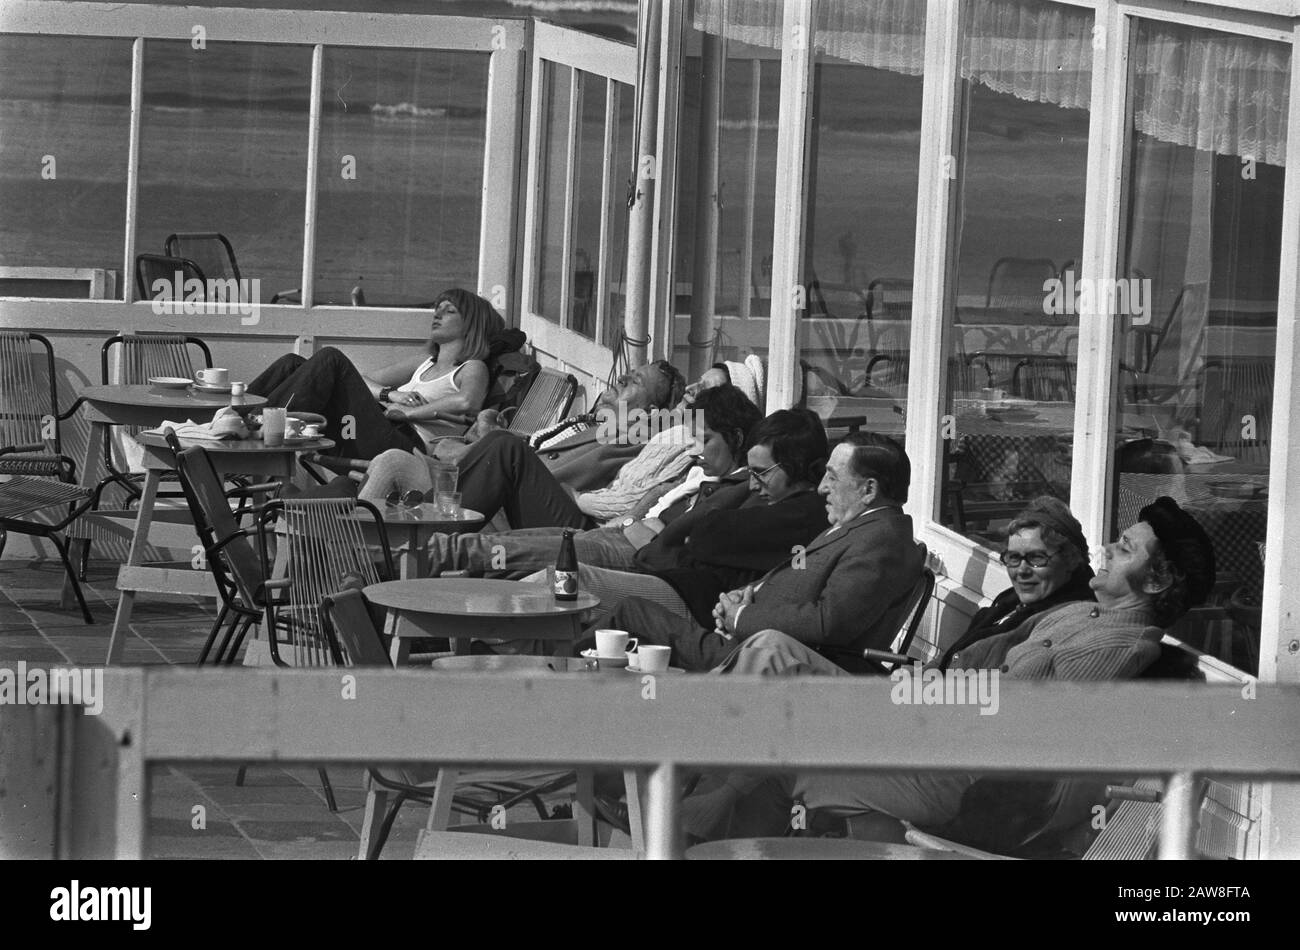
(745, 41)
(587, 193)
(1203, 237)
(553, 175)
(64, 130)
(223, 149)
(860, 218)
(1021, 168)
(401, 174)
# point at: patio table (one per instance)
(135, 405)
(235, 457)
(465, 608)
(409, 530)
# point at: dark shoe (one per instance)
(612, 812)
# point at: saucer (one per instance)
(210, 387)
(672, 669)
(612, 662)
(170, 382)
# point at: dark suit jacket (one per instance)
(581, 463)
(846, 592)
(735, 541)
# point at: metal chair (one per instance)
(151, 268)
(143, 356)
(210, 250)
(1016, 283)
(906, 648)
(352, 632)
(42, 478)
(238, 566)
(549, 397)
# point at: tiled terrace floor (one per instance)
(277, 813)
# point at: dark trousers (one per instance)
(329, 384)
(694, 648)
(501, 473)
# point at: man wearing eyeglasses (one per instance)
(840, 595)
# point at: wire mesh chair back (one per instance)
(209, 249)
(1237, 407)
(1044, 379)
(327, 552)
(547, 402)
(234, 561)
(151, 268)
(28, 402)
(1016, 283)
(143, 356)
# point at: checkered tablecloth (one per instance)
(1236, 527)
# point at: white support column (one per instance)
(1104, 213)
(640, 238)
(751, 192)
(571, 155)
(502, 155)
(791, 185)
(1279, 646)
(939, 174)
(313, 168)
(608, 209)
(133, 169)
(661, 806)
(663, 260)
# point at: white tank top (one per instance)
(436, 388)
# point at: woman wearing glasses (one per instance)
(1047, 561)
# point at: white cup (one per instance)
(651, 659)
(216, 376)
(614, 643)
(273, 421)
(237, 389)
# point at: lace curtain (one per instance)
(1203, 89)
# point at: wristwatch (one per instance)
(383, 393)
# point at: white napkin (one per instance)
(225, 425)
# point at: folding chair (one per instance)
(42, 478)
(239, 568)
(352, 630)
(547, 401)
(906, 648)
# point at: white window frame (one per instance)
(616, 64)
(503, 40)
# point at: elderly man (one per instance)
(533, 481)
(1158, 568)
(841, 594)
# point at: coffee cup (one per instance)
(311, 431)
(238, 389)
(650, 658)
(215, 376)
(614, 643)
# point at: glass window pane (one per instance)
(588, 194)
(1008, 426)
(744, 202)
(621, 182)
(223, 149)
(860, 218)
(65, 114)
(401, 174)
(1197, 341)
(553, 179)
